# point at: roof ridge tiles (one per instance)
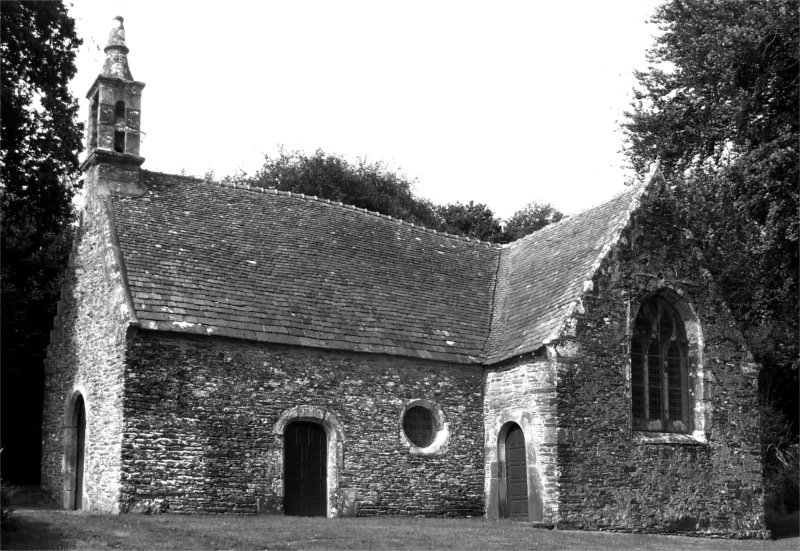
(303, 196)
(549, 228)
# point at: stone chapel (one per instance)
(227, 349)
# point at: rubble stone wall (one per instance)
(613, 478)
(522, 392)
(85, 357)
(205, 419)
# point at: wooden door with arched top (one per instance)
(305, 469)
(80, 451)
(516, 474)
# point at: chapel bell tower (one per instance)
(113, 135)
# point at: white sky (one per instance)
(501, 102)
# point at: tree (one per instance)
(366, 185)
(719, 108)
(40, 173)
(532, 217)
(474, 220)
(371, 185)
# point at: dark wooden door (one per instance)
(516, 474)
(305, 470)
(80, 450)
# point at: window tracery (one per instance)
(659, 369)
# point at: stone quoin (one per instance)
(227, 349)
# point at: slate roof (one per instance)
(282, 268)
(269, 266)
(542, 276)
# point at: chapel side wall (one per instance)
(201, 415)
(523, 392)
(611, 481)
(86, 355)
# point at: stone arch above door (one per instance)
(338, 504)
(496, 498)
(75, 432)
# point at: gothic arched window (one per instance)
(659, 369)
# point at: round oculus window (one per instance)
(419, 426)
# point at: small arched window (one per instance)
(119, 113)
(659, 369)
(119, 141)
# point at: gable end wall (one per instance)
(610, 481)
(85, 355)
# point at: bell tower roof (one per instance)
(116, 64)
(114, 129)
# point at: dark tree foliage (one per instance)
(474, 220)
(363, 184)
(532, 217)
(374, 187)
(723, 119)
(39, 167)
(719, 108)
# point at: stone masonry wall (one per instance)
(522, 392)
(201, 417)
(610, 480)
(85, 356)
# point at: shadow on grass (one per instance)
(35, 533)
(784, 525)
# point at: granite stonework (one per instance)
(612, 478)
(86, 358)
(199, 320)
(523, 392)
(204, 420)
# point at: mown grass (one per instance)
(53, 529)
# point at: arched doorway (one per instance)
(305, 467)
(75, 453)
(516, 474)
(80, 452)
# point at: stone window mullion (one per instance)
(661, 401)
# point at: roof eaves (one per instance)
(294, 340)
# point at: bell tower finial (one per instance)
(116, 50)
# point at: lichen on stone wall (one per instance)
(612, 478)
(86, 356)
(201, 415)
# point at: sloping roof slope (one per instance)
(282, 268)
(261, 265)
(541, 276)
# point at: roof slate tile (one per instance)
(277, 267)
(293, 270)
(541, 276)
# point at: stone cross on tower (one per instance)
(114, 135)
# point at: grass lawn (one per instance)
(42, 527)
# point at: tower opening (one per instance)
(92, 128)
(119, 113)
(119, 141)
